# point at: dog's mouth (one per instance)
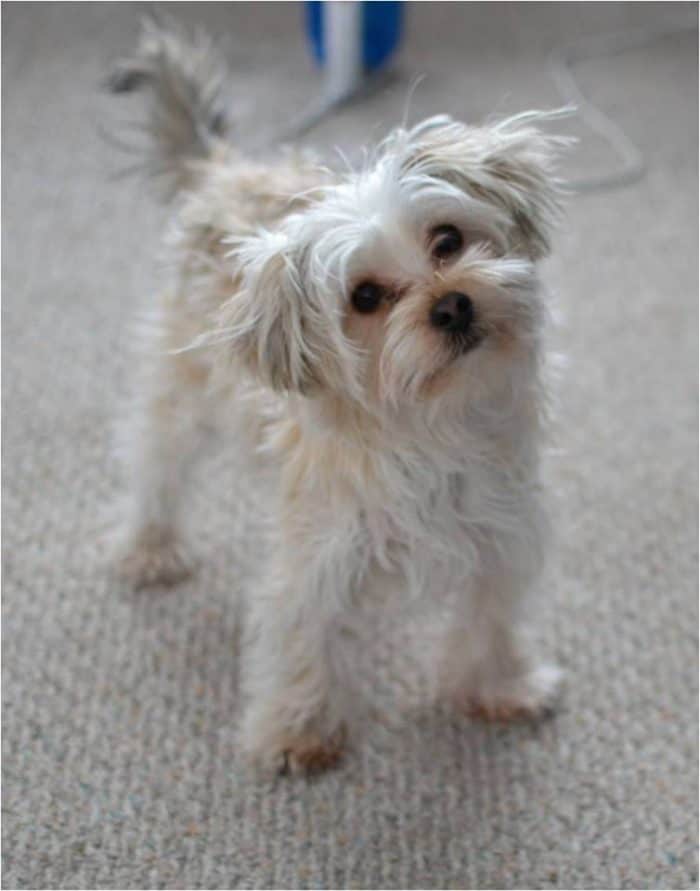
(463, 342)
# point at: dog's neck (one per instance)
(451, 437)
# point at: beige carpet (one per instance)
(119, 709)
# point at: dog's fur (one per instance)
(402, 450)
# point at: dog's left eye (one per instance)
(367, 296)
(446, 240)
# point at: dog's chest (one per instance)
(428, 516)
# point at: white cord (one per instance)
(323, 107)
(561, 63)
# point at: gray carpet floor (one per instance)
(119, 764)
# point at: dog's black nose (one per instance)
(453, 313)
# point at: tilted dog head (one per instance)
(410, 280)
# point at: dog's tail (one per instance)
(185, 76)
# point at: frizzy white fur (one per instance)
(403, 450)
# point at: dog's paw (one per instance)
(533, 696)
(313, 754)
(284, 753)
(153, 557)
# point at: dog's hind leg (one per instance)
(159, 445)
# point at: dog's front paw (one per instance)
(155, 556)
(280, 751)
(534, 695)
(312, 753)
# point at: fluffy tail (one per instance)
(185, 76)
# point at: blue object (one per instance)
(381, 30)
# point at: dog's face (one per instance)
(412, 280)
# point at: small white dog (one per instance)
(381, 332)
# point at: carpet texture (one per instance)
(119, 764)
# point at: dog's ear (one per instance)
(510, 164)
(265, 323)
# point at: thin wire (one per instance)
(323, 107)
(561, 64)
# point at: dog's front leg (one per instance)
(296, 687)
(490, 667)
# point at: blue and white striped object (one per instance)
(351, 38)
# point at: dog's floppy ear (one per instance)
(265, 324)
(510, 164)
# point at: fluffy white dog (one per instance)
(382, 333)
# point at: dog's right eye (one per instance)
(447, 241)
(367, 296)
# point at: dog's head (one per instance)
(409, 280)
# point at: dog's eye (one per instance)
(367, 296)
(446, 241)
